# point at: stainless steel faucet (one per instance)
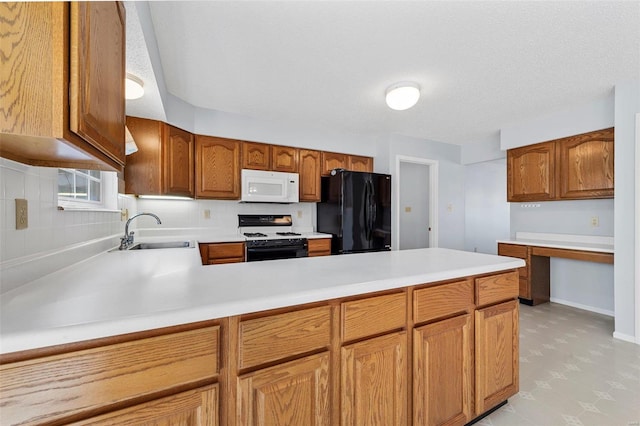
(127, 240)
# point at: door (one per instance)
(414, 205)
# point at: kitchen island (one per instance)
(285, 338)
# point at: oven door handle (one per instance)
(272, 249)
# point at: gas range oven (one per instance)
(270, 237)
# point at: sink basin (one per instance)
(167, 244)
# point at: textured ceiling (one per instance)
(481, 65)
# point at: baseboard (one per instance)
(625, 337)
(583, 307)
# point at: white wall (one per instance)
(451, 203)
(627, 105)
(486, 208)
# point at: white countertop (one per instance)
(122, 292)
(592, 243)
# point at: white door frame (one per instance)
(433, 198)
(637, 236)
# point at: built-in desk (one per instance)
(536, 250)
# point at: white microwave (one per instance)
(259, 186)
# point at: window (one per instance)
(87, 189)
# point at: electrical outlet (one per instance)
(22, 214)
(595, 221)
(407, 209)
(450, 207)
(299, 214)
(207, 213)
(124, 215)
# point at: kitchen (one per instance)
(460, 227)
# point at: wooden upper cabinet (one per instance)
(586, 165)
(359, 164)
(284, 159)
(164, 163)
(179, 162)
(256, 156)
(309, 175)
(217, 168)
(531, 172)
(62, 80)
(333, 160)
(97, 73)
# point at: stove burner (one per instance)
(254, 234)
(287, 233)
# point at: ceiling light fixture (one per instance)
(133, 87)
(403, 95)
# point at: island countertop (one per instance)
(122, 292)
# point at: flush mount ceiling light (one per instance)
(133, 88)
(403, 95)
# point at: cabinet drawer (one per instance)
(374, 315)
(496, 288)
(275, 337)
(513, 250)
(60, 386)
(226, 250)
(319, 247)
(442, 300)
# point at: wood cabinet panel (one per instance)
(519, 251)
(217, 168)
(373, 315)
(443, 372)
(284, 159)
(179, 162)
(164, 163)
(332, 160)
(256, 156)
(97, 69)
(57, 387)
(531, 172)
(198, 407)
(319, 247)
(35, 128)
(219, 253)
(309, 175)
(374, 381)
(586, 168)
(496, 352)
(442, 300)
(294, 393)
(275, 337)
(496, 288)
(359, 164)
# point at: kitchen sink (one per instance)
(166, 244)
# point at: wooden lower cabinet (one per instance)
(442, 372)
(293, 393)
(374, 381)
(198, 407)
(496, 353)
(219, 253)
(319, 247)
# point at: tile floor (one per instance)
(572, 372)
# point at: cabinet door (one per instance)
(359, 164)
(284, 159)
(294, 393)
(217, 168)
(442, 372)
(530, 172)
(143, 172)
(309, 175)
(256, 156)
(178, 162)
(496, 354)
(97, 58)
(374, 381)
(319, 247)
(586, 165)
(193, 408)
(333, 160)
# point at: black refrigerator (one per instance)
(356, 210)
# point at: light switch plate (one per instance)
(22, 214)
